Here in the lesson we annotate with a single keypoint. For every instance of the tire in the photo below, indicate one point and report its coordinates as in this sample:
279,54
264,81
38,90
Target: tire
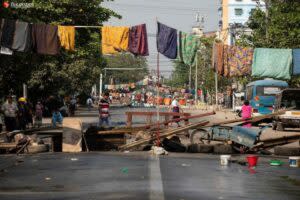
173,146
287,151
274,126
200,148
279,127
38,148
223,149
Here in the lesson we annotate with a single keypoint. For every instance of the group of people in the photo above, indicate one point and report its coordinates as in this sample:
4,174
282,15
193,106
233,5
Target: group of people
19,115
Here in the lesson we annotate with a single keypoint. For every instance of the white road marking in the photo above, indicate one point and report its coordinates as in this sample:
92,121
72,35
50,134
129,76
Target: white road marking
156,186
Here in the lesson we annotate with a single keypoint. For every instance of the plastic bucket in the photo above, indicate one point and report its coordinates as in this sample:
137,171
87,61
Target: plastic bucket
252,160
294,161
225,159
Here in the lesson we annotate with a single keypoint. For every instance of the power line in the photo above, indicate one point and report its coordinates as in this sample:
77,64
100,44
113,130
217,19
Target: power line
162,7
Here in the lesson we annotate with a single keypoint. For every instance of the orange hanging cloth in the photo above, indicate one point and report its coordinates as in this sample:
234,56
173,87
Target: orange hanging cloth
66,36
114,39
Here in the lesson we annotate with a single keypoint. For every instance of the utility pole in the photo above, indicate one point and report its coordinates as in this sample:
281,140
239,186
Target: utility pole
25,94
190,78
267,3
100,85
196,79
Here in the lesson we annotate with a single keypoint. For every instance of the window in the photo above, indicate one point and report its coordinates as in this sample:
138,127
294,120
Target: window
238,11
267,91
249,93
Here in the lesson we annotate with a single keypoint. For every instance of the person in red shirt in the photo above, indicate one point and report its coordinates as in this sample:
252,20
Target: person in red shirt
104,110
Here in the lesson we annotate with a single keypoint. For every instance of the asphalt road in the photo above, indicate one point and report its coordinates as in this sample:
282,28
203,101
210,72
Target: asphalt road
142,176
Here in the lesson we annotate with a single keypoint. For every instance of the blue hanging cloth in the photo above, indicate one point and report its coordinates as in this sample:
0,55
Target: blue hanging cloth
296,61
166,40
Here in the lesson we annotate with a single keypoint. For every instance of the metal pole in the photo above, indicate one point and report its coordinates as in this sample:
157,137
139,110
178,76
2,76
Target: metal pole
196,79
100,84
157,106
216,82
267,18
190,78
25,90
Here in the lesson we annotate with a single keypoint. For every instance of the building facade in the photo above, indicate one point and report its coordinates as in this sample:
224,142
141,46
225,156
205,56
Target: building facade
234,15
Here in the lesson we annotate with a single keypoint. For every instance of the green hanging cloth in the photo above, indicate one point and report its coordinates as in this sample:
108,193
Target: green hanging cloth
188,46
272,63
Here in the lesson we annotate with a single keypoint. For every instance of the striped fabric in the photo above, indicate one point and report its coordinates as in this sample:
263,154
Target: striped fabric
103,108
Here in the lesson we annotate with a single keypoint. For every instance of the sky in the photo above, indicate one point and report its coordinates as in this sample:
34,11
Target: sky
179,14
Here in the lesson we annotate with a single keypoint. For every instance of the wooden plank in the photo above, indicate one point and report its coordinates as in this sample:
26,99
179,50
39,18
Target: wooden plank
163,135
146,113
124,131
176,120
7,145
250,120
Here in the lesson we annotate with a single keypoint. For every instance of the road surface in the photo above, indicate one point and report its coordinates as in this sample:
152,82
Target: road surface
142,176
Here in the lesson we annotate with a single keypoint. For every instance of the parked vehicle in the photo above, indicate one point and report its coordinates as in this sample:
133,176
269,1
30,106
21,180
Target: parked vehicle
288,98
261,95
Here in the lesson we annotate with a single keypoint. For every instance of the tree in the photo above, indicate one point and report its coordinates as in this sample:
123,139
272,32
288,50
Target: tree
126,60
206,76
65,73
280,29
180,75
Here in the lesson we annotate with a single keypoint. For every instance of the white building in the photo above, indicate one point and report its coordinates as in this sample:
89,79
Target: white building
234,15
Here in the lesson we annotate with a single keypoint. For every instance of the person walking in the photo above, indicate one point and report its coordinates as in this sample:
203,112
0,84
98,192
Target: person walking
175,108
38,114
22,113
72,107
104,110
89,103
10,109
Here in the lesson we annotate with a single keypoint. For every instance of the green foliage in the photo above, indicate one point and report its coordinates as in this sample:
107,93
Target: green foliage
206,76
69,72
281,29
126,60
180,75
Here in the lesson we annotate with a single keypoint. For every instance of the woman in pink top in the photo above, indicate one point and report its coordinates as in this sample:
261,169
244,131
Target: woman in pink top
246,112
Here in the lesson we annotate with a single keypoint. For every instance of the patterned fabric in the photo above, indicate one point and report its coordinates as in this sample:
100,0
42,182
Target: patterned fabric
104,108
188,47
226,53
237,61
166,40
114,39
272,63
138,40
218,58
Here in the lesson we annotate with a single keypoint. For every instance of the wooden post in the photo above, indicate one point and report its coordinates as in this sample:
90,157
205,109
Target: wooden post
167,118
129,119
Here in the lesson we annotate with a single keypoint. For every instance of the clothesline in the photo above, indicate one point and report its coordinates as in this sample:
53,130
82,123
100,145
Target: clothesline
231,61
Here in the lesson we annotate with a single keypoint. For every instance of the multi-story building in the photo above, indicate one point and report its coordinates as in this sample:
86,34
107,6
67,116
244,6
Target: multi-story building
234,14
